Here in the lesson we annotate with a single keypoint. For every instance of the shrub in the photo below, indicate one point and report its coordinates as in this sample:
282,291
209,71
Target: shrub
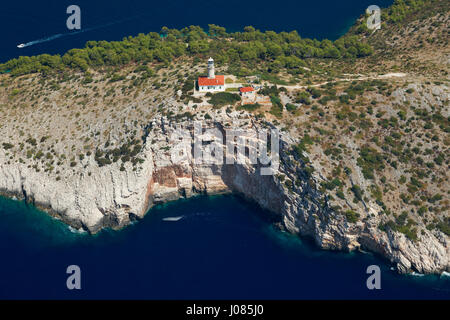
224,98
439,159
303,97
340,194
369,161
249,107
31,141
435,198
351,216
116,77
302,146
357,191
291,107
277,106
444,226
407,230
187,86
316,93
270,91
7,146
330,185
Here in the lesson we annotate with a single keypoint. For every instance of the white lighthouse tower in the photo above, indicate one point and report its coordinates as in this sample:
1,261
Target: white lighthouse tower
211,72
211,82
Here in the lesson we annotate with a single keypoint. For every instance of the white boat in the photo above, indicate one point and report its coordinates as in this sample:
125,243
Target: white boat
22,45
173,219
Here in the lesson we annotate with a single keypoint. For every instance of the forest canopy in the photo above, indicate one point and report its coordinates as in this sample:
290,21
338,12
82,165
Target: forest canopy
278,50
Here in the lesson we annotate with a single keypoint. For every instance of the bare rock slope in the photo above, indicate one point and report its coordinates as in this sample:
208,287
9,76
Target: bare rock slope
113,195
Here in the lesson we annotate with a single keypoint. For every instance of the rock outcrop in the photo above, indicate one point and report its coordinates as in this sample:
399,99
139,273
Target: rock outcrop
94,197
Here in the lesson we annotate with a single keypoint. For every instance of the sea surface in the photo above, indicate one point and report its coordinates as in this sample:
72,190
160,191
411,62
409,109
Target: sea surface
28,21
220,247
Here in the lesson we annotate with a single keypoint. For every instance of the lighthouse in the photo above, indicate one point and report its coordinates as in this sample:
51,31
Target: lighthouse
211,82
211,72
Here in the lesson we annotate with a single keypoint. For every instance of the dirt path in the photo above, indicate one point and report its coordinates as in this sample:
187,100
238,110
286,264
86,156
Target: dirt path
361,78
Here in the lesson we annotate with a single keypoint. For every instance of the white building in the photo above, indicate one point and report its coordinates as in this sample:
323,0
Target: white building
211,83
247,92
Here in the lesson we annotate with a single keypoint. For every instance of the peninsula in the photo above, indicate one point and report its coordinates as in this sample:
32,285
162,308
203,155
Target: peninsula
363,121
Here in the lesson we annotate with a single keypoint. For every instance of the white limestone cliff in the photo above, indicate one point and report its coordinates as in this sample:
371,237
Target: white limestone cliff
92,197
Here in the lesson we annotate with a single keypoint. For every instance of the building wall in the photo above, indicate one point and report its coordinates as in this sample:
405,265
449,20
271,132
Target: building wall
211,88
248,94
211,71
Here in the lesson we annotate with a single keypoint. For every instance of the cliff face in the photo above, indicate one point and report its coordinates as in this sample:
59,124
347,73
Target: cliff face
96,197
107,197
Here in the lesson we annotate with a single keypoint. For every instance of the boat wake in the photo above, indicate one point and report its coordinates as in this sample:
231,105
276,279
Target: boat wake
60,35
173,219
56,36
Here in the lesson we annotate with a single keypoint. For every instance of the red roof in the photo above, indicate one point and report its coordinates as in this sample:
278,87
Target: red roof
205,81
246,89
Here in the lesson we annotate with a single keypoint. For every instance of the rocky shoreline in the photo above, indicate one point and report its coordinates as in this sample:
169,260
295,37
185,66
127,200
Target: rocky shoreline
93,197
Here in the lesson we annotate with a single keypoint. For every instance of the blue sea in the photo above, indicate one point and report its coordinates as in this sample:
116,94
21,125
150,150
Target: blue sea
223,247
26,21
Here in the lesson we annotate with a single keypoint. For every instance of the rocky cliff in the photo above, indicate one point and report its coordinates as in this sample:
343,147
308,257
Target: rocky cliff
364,138
94,197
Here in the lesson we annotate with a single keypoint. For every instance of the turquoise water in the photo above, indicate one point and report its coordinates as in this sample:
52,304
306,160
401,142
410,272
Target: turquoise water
222,248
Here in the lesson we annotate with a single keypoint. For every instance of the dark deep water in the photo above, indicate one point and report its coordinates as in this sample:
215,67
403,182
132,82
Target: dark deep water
223,247
25,21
